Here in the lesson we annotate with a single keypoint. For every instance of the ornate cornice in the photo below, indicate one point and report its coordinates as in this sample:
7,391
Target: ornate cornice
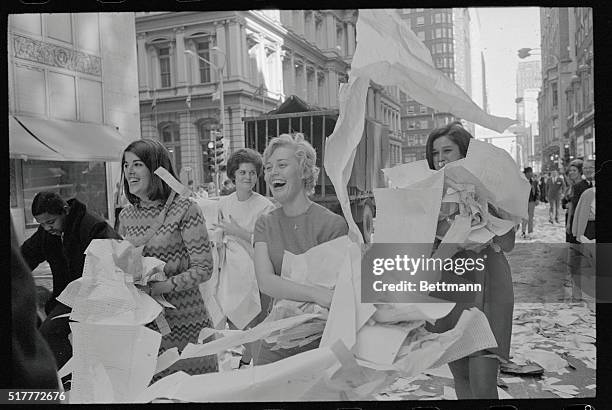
57,56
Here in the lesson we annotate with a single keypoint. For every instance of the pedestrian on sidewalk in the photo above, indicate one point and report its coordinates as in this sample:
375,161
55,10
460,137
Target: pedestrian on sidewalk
579,184
172,229
65,231
534,195
475,376
555,188
543,196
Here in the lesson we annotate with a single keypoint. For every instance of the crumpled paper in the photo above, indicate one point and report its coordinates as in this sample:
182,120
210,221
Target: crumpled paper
106,293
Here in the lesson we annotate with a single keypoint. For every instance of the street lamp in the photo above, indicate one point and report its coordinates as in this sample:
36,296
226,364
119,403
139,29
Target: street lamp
527,52
221,101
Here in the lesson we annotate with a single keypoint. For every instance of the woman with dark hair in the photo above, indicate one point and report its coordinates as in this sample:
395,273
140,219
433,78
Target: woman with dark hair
171,228
238,213
578,184
476,375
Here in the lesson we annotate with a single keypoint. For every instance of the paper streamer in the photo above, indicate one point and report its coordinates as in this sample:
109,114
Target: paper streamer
172,182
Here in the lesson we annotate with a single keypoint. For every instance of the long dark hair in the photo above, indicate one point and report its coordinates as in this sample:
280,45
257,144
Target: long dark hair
154,155
454,132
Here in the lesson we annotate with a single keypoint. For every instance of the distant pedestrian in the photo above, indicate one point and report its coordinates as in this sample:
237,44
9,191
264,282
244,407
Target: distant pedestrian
543,196
534,195
579,184
227,188
555,189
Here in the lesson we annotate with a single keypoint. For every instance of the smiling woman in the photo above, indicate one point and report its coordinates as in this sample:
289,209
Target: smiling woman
170,228
298,225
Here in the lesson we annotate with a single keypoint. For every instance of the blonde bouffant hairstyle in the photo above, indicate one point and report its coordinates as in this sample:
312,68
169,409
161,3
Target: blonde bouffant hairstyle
304,152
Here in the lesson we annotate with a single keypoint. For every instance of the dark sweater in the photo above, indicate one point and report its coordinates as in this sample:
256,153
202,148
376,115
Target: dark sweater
66,257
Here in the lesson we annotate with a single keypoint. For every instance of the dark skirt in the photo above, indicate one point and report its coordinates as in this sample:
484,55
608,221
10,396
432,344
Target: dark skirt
496,300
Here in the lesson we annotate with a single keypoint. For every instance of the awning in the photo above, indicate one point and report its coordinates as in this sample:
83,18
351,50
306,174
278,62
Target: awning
74,141
24,145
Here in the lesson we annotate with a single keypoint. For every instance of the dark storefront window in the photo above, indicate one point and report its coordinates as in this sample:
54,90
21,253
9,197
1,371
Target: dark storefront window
84,180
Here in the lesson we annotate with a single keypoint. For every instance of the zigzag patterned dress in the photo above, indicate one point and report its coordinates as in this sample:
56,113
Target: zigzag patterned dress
181,242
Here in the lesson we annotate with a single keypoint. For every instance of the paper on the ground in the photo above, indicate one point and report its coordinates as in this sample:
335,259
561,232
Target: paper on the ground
341,145
126,353
66,369
172,182
407,215
389,53
285,380
550,361
318,265
503,395
441,371
238,338
404,312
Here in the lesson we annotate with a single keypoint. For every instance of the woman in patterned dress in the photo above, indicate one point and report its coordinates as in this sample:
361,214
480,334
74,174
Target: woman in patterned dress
171,228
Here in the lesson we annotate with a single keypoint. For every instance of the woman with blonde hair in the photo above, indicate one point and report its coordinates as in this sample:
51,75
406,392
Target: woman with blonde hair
299,224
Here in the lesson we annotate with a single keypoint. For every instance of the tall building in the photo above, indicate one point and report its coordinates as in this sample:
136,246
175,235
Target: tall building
73,108
558,67
450,36
581,111
528,82
266,56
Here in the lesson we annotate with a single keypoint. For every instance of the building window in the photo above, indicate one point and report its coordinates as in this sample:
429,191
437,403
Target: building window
423,109
85,181
420,21
437,18
424,124
411,109
438,33
555,95
164,67
171,138
204,52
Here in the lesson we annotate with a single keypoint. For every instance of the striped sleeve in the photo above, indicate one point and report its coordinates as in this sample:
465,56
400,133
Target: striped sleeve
195,238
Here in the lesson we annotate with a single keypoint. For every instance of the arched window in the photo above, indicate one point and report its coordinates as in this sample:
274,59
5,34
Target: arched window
171,138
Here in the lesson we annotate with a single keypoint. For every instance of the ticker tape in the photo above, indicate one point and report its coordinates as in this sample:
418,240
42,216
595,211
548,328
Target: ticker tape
172,182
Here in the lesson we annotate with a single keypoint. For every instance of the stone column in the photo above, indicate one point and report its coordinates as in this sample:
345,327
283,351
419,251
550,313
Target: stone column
350,32
180,57
233,51
154,75
332,87
316,84
298,22
304,82
244,51
287,18
330,23
291,86
143,62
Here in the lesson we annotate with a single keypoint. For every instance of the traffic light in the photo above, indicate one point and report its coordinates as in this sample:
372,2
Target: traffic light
210,158
219,148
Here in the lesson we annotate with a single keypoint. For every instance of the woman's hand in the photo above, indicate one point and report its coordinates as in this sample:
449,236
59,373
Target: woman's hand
157,288
232,227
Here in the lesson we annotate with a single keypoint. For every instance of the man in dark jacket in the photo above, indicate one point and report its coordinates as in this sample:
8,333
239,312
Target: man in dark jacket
65,231
534,196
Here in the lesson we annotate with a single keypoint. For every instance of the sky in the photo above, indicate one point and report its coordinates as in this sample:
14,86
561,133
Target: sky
504,30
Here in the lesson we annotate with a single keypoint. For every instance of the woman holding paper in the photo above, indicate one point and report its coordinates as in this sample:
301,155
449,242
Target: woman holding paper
578,184
476,375
298,225
238,291
172,229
